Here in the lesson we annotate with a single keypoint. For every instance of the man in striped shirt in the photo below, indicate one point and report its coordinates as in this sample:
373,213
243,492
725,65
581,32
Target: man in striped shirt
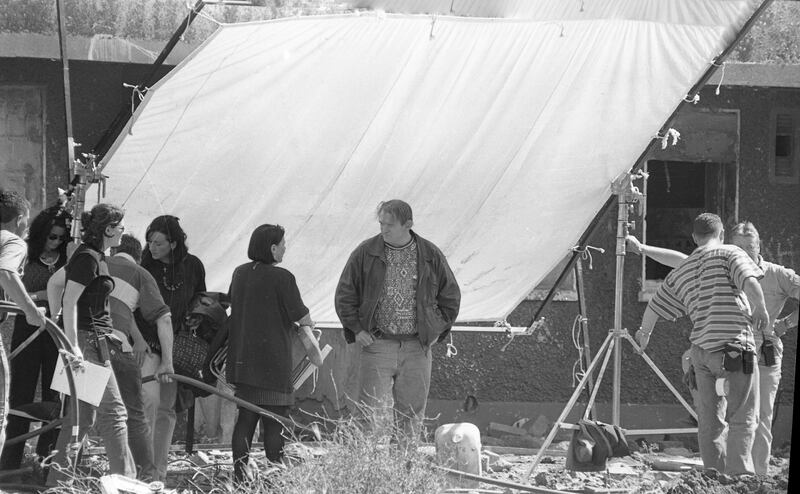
713,286
134,289
779,284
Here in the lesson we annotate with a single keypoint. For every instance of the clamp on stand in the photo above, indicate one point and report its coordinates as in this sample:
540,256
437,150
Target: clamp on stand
83,175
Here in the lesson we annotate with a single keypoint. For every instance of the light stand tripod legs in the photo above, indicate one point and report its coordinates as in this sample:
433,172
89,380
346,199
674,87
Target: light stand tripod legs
573,399
600,375
661,376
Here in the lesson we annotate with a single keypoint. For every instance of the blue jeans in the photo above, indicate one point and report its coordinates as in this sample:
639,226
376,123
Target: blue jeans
768,380
725,426
159,407
129,381
109,417
396,375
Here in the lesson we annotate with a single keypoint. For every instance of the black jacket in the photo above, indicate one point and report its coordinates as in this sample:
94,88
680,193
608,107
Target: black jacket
359,288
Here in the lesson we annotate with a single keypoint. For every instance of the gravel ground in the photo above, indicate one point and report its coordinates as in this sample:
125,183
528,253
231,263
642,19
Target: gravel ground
642,478
632,474
207,469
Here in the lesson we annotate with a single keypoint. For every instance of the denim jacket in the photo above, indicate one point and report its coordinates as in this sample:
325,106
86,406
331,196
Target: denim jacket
361,282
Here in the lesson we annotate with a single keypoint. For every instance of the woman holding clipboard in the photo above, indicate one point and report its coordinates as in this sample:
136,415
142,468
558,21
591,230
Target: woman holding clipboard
87,325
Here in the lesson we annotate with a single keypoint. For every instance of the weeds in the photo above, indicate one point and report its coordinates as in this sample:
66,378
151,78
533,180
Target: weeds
352,457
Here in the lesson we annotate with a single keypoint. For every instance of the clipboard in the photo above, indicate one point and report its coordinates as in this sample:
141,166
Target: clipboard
305,368
90,381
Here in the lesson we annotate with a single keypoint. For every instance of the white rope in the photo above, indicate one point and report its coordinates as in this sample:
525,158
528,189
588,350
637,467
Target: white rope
509,333
451,351
434,18
721,77
694,100
674,134
586,253
578,370
136,92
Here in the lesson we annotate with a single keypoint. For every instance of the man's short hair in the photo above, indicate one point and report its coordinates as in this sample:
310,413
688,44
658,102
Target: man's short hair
707,224
12,204
745,229
400,210
129,245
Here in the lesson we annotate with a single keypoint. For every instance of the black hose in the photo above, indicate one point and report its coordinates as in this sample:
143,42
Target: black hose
41,430
288,424
62,343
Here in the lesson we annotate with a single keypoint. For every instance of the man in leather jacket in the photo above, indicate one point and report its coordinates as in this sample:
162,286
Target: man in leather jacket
396,297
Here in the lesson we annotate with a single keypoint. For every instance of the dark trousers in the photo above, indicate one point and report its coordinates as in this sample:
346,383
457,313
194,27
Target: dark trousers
243,436
37,360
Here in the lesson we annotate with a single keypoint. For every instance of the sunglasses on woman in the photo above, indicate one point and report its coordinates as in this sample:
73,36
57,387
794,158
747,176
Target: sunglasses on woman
53,236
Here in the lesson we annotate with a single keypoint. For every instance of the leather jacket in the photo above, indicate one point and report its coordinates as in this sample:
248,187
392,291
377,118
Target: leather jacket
361,282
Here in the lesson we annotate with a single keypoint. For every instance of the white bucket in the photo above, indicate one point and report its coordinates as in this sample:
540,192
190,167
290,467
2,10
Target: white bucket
458,446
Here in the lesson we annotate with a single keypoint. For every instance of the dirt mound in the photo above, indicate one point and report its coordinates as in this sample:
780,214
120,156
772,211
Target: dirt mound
711,481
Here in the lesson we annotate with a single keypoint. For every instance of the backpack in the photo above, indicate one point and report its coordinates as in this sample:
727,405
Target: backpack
593,443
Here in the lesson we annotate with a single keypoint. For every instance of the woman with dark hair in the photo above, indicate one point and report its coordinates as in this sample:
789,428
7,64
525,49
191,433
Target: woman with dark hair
180,276
48,236
266,309
88,326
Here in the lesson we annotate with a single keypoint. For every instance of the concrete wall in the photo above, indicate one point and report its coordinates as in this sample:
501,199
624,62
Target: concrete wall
97,95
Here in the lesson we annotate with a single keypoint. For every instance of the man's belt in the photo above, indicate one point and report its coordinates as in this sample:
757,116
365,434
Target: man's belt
377,333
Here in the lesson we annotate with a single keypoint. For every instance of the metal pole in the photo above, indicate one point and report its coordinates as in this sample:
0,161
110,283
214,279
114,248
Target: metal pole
114,129
622,229
62,40
607,343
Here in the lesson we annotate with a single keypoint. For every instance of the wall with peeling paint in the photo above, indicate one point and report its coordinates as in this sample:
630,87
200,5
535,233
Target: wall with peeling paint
539,368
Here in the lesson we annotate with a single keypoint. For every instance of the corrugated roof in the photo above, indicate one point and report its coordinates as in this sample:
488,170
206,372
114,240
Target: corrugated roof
102,48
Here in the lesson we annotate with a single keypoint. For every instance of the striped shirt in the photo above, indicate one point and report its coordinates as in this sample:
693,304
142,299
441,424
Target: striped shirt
134,288
13,254
708,287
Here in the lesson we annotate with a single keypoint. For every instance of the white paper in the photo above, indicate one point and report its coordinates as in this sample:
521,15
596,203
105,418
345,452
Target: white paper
90,381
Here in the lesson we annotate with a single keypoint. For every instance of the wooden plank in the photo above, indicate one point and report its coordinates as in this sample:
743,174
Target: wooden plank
605,490
496,430
640,432
509,450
